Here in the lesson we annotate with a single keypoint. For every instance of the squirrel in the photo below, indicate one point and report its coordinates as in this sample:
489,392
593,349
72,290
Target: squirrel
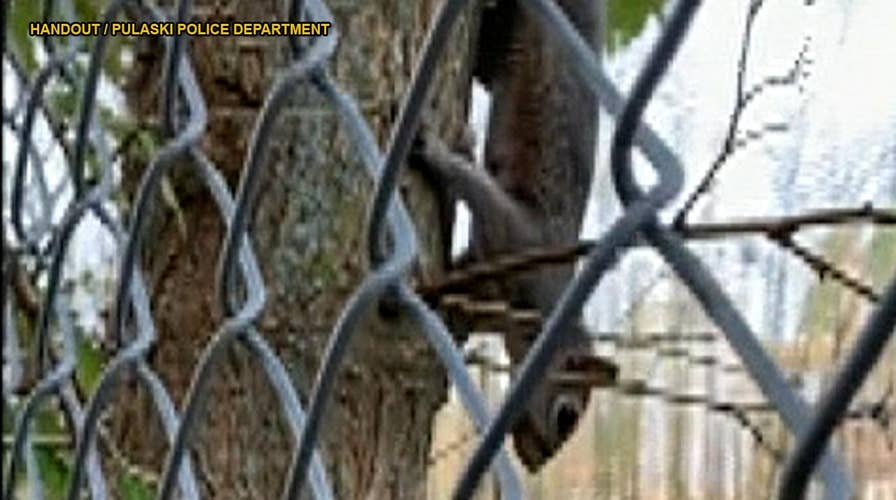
531,191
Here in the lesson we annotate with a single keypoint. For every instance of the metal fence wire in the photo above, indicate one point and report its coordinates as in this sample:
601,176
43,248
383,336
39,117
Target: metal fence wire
241,291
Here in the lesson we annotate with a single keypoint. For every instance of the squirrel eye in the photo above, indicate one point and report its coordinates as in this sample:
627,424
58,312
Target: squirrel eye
566,415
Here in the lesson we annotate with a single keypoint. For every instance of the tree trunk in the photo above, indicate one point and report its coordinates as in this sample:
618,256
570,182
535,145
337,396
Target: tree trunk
309,235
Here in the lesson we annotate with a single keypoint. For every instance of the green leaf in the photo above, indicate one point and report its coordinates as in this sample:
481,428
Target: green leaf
132,487
49,420
54,472
626,20
63,100
119,125
21,13
113,65
147,144
91,360
52,463
88,10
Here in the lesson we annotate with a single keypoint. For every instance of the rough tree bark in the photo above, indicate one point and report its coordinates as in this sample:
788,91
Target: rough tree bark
309,235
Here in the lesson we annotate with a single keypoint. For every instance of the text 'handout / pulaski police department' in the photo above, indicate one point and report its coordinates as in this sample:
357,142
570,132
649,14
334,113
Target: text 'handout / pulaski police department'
233,28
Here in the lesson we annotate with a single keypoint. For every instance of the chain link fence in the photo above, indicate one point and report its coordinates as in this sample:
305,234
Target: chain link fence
241,290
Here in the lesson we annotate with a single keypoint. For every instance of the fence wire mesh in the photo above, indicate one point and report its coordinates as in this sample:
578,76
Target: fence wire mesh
241,290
